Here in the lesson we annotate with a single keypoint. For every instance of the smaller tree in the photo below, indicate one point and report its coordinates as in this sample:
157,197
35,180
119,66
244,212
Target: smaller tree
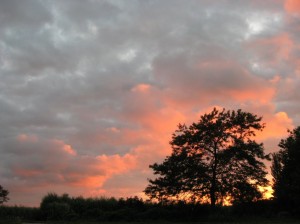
286,170
3,195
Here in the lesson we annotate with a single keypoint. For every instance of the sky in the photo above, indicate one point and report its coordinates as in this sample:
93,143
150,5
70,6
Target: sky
91,91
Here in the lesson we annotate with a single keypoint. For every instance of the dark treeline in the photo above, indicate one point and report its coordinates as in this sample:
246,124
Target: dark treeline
65,208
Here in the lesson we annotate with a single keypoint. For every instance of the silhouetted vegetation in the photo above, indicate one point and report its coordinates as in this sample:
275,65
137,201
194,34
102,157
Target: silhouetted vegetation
54,207
286,173
65,208
3,195
215,158
18,213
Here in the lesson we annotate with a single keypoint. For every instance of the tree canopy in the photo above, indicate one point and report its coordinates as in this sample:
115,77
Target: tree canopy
286,170
3,195
213,160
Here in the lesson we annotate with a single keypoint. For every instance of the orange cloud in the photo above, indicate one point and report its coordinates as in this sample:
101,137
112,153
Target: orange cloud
276,126
116,164
88,182
68,149
263,96
142,88
284,44
53,161
100,170
65,147
27,172
200,82
27,138
292,6
113,130
274,49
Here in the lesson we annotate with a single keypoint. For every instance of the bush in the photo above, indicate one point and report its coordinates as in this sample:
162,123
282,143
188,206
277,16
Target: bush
57,211
19,212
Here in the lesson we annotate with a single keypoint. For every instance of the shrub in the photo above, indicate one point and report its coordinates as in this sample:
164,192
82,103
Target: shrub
57,211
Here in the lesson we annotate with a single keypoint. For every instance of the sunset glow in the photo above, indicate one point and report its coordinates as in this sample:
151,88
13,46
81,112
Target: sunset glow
91,91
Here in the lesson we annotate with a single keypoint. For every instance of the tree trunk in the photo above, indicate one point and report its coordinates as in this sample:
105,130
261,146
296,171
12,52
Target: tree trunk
213,190
214,177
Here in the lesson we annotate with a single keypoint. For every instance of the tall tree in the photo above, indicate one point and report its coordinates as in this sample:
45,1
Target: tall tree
215,159
286,170
3,195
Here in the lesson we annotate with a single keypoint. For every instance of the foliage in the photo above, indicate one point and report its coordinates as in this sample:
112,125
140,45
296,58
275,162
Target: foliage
3,195
215,158
62,207
55,207
19,212
286,171
62,210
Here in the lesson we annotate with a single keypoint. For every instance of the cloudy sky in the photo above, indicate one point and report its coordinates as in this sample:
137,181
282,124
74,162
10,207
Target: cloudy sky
91,91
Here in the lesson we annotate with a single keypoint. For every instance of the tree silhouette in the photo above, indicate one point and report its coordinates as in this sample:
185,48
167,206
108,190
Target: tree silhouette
213,160
3,195
286,170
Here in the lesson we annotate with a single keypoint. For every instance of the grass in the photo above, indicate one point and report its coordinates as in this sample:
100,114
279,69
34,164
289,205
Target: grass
280,222
200,222
163,222
271,221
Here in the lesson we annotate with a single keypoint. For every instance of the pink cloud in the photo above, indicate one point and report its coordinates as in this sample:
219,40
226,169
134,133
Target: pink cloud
276,125
65,147
272,54
116,164
54,164
27,173
189,83
141,88
113,130
27,138
292,6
